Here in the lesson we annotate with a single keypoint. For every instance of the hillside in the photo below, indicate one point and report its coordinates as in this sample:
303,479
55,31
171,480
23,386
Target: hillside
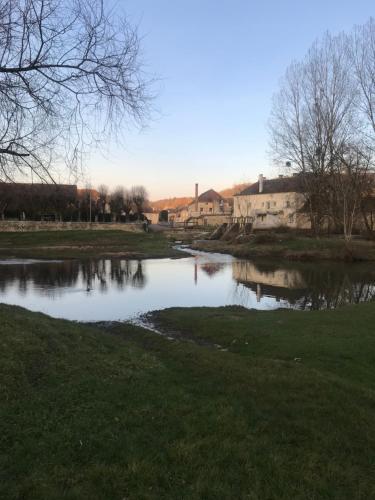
170,203
182,201
236,188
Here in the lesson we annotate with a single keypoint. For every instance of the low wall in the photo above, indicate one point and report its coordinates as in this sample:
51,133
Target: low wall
25,226
213,220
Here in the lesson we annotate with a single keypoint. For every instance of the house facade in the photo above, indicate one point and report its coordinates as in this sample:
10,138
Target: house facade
209,208
271,203
178,215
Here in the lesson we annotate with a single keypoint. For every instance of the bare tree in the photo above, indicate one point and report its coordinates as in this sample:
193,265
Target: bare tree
128,203
362,47
70,74
103,200
351,183
103,191
314,119
139,197
117,200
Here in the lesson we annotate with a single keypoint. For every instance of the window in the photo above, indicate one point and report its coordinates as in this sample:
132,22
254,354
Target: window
287,204
201,209
268,204
210,209
291,218
274,203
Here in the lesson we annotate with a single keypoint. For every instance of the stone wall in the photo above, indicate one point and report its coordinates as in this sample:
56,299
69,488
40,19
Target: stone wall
24,226
211,220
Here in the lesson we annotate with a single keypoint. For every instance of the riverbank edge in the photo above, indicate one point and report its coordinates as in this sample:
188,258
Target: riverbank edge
336,250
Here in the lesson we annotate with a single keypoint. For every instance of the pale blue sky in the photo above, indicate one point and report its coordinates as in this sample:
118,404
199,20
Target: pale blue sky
219,63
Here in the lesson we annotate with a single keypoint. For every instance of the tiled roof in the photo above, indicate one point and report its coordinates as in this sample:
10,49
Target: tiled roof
279,185
210,196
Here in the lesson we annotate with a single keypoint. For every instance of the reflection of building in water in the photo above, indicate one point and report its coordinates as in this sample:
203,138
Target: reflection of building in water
209,268
282,284
212,268
244,271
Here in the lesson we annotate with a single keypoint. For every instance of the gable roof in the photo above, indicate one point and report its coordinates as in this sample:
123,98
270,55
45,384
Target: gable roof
279,185
209,196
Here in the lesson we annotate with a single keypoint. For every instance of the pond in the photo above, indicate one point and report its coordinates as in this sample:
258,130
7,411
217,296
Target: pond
118,289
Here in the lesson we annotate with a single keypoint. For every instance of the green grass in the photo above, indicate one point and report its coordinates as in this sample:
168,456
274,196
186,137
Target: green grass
76,244
117,413
295,248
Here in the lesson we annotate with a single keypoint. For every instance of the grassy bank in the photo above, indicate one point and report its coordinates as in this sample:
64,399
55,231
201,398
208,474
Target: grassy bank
78,244
290,247
284,409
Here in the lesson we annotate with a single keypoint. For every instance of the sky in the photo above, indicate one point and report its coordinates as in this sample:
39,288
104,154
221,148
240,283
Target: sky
218,64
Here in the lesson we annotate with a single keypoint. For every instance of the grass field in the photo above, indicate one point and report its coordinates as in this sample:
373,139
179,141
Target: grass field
283,409
76,244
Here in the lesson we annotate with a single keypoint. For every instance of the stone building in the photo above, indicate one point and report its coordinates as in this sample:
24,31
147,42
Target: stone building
209,208
271,203
178,215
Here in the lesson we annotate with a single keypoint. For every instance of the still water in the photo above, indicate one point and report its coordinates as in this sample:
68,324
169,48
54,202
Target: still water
118,289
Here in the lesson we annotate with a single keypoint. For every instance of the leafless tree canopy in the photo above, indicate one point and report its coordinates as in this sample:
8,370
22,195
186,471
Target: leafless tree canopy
117,200
70,74
103,192
321,125
139,197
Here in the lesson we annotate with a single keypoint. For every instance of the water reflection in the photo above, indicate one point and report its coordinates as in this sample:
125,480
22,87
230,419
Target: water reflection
46,278
108,289
209,268
308,286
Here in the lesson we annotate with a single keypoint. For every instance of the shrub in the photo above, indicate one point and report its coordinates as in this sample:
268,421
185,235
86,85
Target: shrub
264,238
282,229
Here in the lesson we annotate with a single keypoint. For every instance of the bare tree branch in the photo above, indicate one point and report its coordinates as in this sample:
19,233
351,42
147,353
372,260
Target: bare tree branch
70,75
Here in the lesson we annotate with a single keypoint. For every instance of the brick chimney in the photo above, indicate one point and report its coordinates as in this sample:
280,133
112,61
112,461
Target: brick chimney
261,180
196,197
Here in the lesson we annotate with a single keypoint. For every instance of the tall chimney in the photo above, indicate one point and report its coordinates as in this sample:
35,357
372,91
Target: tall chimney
196,197
261,179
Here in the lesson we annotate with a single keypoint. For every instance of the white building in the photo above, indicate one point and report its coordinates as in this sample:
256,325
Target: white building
271,203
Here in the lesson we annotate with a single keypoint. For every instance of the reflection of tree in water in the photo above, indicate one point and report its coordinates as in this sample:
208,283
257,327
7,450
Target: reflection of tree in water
138,280
318,286
335,286
212,268
43,277
48,278
121,272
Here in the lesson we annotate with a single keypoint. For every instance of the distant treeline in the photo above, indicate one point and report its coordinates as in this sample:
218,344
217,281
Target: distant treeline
68,203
